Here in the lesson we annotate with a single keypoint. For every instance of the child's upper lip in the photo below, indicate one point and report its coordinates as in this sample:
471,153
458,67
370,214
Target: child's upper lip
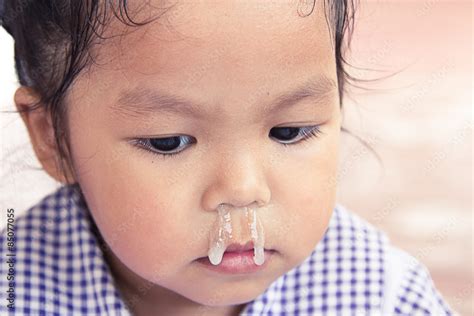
235,247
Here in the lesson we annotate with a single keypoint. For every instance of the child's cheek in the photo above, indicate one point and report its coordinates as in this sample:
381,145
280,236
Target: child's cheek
310,196
137,215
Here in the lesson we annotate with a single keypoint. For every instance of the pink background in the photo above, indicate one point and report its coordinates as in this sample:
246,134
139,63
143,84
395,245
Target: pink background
420,123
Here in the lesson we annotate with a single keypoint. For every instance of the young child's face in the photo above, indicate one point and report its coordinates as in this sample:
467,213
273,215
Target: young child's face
231,59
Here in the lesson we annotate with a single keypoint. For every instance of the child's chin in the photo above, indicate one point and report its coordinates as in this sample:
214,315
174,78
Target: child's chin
238,298
227,295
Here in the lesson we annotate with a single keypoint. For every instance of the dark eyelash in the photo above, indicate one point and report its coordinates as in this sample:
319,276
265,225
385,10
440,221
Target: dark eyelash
313,131
308,133
143,143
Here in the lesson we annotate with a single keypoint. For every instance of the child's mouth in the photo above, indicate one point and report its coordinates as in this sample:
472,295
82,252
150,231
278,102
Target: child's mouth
237,262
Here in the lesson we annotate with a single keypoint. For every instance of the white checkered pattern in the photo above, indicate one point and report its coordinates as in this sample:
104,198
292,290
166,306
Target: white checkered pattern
60,270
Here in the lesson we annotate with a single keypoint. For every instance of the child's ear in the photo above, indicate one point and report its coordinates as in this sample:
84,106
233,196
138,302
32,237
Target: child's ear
41,132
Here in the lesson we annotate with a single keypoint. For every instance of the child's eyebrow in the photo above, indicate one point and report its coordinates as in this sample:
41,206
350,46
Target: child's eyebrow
144,101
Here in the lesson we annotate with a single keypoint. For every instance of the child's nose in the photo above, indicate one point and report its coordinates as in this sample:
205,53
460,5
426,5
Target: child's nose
238,181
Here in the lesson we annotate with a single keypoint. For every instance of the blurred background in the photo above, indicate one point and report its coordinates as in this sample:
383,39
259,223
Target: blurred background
418,120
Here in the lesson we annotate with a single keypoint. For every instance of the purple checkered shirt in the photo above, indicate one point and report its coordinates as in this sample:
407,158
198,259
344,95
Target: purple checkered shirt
59,269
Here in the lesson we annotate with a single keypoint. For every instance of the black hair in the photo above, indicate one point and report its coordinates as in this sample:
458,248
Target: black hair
53,40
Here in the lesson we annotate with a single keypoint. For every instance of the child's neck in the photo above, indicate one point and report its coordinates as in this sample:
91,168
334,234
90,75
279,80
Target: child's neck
144,298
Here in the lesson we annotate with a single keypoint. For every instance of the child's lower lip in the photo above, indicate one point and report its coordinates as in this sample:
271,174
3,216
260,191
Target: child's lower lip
236,262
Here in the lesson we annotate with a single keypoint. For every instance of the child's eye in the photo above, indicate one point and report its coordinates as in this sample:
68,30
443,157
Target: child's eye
170,146
290,133
167,146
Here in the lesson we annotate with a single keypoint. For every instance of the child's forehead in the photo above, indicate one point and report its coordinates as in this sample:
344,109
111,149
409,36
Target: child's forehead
241,30
228,49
